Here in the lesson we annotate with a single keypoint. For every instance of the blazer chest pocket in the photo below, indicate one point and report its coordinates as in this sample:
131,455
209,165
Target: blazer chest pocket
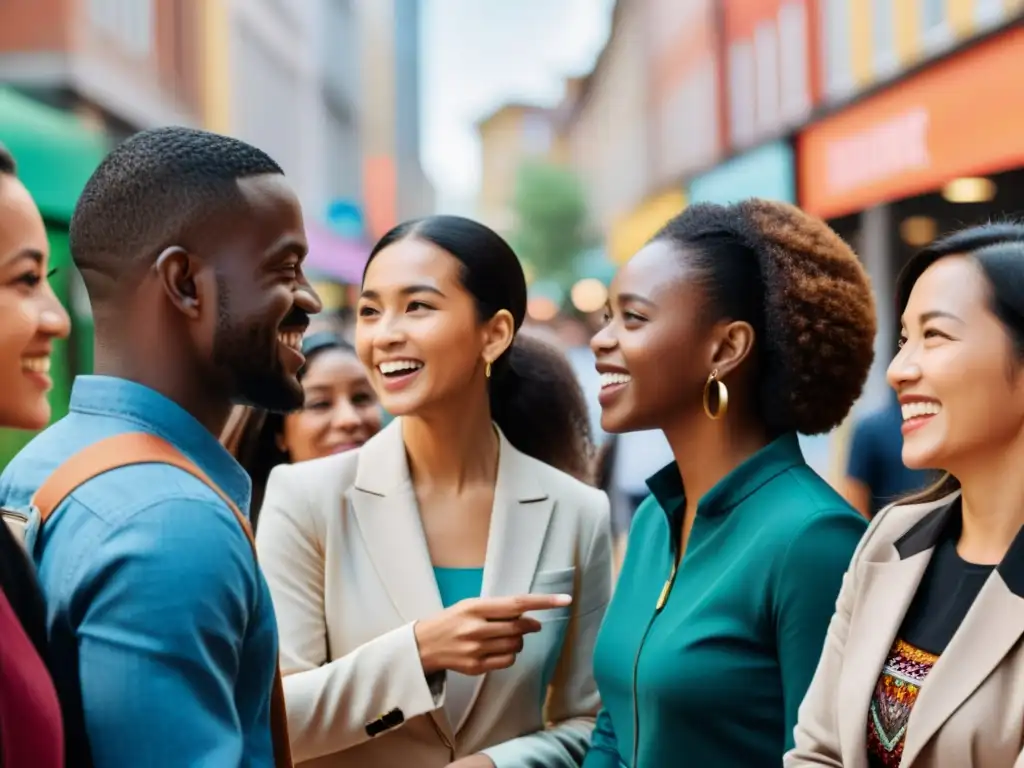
557,582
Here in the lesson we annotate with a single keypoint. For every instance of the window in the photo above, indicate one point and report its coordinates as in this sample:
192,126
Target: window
989,13
836,34
933,14
536,135
883,28
794,80
129,22
935,31
742,109
766,56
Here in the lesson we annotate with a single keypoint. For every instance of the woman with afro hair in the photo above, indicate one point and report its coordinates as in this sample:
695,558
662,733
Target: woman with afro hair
733,330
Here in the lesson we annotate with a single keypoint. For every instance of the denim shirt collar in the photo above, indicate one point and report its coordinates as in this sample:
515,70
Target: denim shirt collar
150,411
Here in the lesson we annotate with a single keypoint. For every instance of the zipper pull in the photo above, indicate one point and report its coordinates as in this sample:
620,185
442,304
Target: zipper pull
663,598
665,590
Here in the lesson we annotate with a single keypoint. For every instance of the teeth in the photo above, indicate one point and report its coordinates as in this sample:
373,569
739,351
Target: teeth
915,410
394,366
611,379
36,364
291,339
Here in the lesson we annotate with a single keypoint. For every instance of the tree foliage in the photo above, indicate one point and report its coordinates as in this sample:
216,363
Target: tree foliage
550,220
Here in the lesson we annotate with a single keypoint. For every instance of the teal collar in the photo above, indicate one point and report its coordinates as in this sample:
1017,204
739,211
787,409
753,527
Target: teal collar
771,461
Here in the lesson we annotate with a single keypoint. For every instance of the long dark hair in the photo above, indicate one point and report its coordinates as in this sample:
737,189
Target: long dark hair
998,250
534,395
253,433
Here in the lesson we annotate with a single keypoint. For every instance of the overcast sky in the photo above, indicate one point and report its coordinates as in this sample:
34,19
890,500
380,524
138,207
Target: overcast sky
478,54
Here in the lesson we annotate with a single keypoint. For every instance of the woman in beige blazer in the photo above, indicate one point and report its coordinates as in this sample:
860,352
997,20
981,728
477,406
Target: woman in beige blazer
438,591
923,666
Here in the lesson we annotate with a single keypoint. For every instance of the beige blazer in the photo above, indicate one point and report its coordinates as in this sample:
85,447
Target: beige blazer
970,711
342,546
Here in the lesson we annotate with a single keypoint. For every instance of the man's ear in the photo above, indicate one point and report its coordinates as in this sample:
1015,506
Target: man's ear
178,271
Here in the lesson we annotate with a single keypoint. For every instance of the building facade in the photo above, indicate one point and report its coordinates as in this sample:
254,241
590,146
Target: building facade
511,135
394,184
853,109
121,64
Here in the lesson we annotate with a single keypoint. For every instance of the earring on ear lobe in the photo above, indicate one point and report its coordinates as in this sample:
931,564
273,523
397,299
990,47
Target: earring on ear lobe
487,370
721,393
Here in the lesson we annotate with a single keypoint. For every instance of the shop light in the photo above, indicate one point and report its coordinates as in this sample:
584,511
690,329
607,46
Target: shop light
918,231
542,309
969,189
589,295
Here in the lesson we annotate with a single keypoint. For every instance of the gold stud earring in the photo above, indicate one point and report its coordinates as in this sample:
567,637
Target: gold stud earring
721,393
487,369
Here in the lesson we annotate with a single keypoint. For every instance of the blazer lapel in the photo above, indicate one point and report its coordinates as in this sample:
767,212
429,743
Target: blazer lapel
887,584
992,628
387,514
519,524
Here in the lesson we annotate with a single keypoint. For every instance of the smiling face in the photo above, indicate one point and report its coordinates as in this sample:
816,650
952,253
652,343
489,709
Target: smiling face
956,373
340,411
30,315
652,351
418,332
264,299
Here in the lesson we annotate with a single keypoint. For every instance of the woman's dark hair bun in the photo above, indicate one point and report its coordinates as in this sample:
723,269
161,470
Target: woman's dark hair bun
537,401
805,293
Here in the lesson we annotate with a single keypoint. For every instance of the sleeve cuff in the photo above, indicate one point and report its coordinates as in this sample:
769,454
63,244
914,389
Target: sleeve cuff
505,755
437,683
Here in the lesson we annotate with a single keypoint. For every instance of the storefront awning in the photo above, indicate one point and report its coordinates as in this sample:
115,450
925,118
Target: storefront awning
767,172
55,152
334,258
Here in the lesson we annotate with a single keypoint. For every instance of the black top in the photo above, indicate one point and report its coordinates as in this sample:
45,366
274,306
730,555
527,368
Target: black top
947,591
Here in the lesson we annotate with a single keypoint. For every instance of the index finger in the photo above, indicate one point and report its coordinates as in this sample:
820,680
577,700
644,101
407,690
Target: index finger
515,606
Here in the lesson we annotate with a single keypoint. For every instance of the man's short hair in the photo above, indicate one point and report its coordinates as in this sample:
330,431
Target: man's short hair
153,191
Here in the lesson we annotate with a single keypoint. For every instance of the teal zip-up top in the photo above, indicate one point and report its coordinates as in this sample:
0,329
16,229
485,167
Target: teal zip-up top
705,665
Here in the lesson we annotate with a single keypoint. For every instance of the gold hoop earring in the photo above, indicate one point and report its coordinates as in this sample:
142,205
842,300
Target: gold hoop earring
722,394
487,370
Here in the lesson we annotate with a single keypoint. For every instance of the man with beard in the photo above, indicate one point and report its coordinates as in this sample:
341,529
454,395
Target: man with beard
163,637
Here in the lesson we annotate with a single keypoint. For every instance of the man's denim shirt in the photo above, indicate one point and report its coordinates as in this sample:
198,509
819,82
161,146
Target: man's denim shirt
163,635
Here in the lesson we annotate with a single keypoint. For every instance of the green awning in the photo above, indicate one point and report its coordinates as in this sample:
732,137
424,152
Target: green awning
55,152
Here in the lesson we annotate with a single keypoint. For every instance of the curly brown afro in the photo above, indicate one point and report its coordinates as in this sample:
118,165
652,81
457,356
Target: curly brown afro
804,292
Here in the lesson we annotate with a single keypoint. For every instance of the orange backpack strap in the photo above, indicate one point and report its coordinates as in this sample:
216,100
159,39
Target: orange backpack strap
133,448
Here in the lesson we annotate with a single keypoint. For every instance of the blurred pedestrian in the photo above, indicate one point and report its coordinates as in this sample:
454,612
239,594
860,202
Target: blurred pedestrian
732,330
339,414
433,585
875,474
190,245
922,664
31,319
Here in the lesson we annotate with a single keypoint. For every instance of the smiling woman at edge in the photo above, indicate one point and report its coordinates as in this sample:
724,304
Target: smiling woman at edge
401,572
733,329
923,661
31,318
